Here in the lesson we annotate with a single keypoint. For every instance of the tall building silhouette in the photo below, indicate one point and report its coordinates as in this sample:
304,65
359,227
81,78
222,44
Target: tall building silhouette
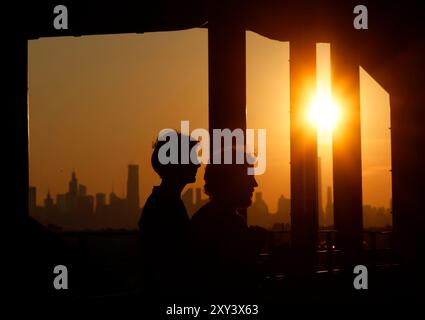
82,190
283,214
100,202
73,184
72,194
48,202
133,186
258,213
329,208
61,202
321,213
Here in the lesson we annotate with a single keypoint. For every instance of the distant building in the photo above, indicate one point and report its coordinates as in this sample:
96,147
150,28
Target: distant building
82,190
49,210
321,212
329,212
376,217
48,202
37,212
73,185
100,202
61,202
77,210
283,214
258,213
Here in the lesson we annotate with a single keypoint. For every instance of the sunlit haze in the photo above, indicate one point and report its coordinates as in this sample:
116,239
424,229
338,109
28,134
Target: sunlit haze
323,112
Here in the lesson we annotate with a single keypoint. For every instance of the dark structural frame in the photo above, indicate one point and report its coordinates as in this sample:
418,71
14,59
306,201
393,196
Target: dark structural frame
391,50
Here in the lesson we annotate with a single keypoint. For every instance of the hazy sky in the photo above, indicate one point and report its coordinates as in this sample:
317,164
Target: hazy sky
97,103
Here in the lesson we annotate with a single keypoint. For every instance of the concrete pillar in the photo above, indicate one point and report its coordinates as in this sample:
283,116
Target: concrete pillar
347,168
226,75
304,195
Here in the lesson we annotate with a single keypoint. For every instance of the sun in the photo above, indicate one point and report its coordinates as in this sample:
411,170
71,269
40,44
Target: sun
323,112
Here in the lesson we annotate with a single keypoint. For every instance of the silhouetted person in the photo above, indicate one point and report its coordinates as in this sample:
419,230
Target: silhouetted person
164,225
224,246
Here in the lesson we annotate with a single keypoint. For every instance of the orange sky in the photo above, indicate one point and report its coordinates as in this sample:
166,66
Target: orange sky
97,104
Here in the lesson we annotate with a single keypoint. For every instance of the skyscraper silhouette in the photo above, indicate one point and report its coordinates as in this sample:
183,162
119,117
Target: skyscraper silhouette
329,208
100,202
82,190
48,202
319,193
73,184
72,194
258,213
133,186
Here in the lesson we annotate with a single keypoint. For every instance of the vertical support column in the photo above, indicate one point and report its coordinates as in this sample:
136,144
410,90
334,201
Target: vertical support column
347,167
16,109
304,193
407,130
226,75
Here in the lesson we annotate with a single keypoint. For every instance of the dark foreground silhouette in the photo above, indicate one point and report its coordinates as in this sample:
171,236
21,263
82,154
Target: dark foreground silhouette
164,228
213,254
225,249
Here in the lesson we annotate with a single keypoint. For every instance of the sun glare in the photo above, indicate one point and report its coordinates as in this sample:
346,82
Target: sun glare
323,112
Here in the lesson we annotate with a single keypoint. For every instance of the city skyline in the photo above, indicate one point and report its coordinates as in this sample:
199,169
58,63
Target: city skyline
77,209
337,215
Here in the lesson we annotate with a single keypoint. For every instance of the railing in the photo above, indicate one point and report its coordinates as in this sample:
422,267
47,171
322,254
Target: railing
377,248
111,262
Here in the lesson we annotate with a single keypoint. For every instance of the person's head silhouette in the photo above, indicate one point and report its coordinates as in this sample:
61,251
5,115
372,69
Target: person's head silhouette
230,185
175,173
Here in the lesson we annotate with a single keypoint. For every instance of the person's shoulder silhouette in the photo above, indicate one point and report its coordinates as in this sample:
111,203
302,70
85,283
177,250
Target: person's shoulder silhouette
164,217
220,229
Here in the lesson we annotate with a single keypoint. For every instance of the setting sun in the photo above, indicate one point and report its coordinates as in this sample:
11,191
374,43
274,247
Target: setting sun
323,112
